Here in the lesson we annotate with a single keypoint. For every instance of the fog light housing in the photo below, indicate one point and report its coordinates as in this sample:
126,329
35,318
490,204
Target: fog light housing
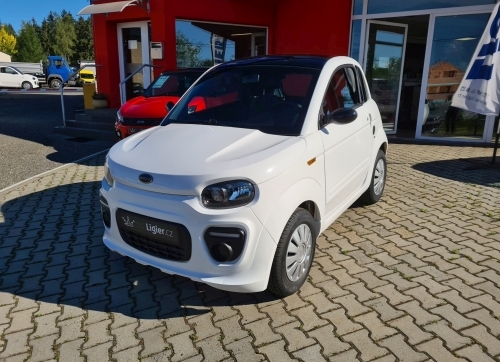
225,244
105,212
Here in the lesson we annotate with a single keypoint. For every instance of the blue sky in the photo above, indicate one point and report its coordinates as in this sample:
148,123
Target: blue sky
15,12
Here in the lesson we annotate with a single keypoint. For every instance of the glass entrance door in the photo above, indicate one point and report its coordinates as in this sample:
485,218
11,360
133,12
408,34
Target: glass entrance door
133,49
385,49
258,44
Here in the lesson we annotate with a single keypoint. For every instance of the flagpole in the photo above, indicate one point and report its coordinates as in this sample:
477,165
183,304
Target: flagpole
496,139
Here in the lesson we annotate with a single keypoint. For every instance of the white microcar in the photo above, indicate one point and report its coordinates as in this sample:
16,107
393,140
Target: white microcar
257,158
11,77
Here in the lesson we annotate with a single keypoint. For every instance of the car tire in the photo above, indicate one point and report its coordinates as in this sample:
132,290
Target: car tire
55,83
296,248
27,85
377,184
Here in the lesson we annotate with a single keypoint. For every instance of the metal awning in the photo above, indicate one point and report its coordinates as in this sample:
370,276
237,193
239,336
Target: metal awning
113,7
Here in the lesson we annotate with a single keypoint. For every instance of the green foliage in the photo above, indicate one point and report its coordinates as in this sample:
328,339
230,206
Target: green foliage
188,53
64,36
7,42
8,28
84,44
29,48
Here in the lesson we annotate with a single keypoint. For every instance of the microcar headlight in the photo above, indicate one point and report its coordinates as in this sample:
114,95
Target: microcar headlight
107,174
119,117
228,194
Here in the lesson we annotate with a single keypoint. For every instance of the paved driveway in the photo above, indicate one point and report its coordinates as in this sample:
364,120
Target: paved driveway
415,277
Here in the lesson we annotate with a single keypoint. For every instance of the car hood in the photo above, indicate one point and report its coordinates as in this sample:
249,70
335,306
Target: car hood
151,107
183,159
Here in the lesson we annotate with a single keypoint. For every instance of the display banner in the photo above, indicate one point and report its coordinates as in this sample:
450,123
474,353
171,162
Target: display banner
478,92
218,48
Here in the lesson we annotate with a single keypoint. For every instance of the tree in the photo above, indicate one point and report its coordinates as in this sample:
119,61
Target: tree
84,44
64,37
187,51
7,42
44,36
28,45
8,28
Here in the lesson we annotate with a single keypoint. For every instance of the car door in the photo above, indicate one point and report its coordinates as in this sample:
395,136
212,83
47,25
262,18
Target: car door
345,144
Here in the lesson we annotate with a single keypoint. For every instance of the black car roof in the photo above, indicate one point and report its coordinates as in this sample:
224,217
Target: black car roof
186,70
308,61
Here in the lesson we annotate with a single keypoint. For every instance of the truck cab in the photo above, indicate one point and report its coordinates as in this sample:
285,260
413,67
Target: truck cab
58,71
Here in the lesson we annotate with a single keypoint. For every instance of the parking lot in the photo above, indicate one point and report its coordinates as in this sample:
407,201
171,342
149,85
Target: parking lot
27,140
415,277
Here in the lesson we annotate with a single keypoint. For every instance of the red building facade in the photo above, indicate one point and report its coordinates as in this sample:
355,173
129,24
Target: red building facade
291,27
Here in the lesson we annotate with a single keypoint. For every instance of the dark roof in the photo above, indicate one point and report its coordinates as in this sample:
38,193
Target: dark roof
186,70
307,61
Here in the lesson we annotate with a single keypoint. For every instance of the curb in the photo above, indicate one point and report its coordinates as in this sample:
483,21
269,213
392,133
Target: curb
8,188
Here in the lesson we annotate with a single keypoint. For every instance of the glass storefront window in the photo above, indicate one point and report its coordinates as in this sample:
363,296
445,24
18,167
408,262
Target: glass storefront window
357,8
355,39
454,42
392,6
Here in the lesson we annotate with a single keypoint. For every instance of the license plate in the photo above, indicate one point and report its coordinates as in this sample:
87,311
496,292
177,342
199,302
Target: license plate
133,130
159,230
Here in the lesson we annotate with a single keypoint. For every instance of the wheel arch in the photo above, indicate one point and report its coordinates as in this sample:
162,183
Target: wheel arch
306,194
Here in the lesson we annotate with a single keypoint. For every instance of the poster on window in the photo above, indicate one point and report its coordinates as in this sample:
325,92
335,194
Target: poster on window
478,92
218,48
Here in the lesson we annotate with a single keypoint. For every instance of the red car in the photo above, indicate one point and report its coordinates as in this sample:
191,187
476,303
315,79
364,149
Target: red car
148,110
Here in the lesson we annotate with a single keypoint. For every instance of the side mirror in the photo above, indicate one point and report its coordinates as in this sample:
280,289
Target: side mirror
169,105
343,116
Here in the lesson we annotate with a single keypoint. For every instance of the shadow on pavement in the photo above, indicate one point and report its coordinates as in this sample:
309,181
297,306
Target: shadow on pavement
477,171
52,251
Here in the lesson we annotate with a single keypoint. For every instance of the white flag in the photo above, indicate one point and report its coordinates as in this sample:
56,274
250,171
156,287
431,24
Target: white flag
478,92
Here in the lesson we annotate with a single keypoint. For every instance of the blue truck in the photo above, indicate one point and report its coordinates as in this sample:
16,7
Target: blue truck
57,71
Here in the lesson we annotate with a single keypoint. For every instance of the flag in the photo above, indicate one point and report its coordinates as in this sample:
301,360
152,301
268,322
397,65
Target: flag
218,48
479,90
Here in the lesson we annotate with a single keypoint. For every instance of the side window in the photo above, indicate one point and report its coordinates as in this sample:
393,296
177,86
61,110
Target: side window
342,92
362,85
2,70
10,71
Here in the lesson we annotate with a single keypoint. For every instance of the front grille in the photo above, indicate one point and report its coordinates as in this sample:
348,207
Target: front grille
141,121
154,245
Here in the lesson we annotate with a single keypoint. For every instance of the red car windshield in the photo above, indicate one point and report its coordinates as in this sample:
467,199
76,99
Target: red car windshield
172,84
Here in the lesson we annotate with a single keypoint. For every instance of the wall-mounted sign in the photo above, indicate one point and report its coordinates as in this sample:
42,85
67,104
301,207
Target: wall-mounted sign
132,44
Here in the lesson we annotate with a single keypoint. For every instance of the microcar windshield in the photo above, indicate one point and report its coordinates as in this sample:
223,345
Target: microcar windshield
271,98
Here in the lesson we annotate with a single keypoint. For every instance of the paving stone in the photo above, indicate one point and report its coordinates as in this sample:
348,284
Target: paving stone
183,346
429,283
212,349
474,353
70,330
243,350
42,348
176,325
153,341
20,321
484,317
125,337
436,350
293,302
203,326
458,322
378,269
278,314
310,354
16,343
390,292
97,333
481,335
487,301
462,305
426,299
275,352
377,329
467,277
321,303
348,356
386,311
365,345
70,351
127,355
262,332
452,339
398,346
352,267
462,288
414,334
400,282
331,344
421,316
295,338
350,303
361,292
332,289
231,329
